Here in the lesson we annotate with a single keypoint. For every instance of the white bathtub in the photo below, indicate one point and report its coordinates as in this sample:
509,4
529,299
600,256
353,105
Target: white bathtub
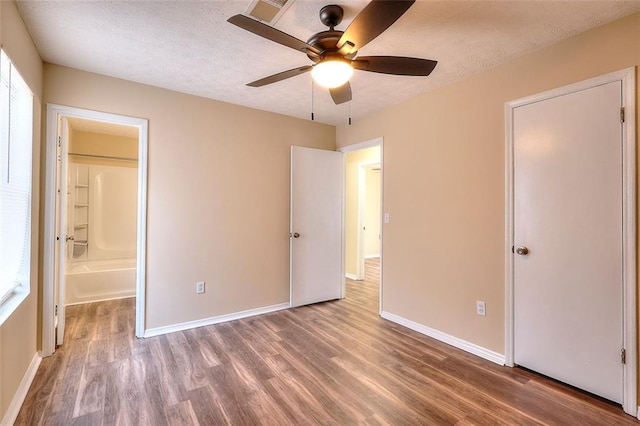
96,280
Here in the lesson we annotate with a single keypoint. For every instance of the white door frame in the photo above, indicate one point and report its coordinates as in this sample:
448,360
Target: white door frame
356,147
48,301
629,280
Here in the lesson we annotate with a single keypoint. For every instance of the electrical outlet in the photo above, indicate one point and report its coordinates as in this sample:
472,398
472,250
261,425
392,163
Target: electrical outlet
200,287
387,218
481,308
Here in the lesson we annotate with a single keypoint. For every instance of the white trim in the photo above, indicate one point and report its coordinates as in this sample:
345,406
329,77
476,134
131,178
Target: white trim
62,219
352,276
53,112
361,200
629,218
151,332
141,238
629,256
508,233
381,263
343,228
372,256
291,224
472,348
21,393
49,238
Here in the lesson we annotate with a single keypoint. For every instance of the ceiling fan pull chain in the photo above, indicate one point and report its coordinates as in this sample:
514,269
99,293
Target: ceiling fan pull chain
312,117
350,113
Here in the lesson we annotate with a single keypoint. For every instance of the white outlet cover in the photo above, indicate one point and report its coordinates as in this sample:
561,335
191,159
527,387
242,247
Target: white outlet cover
200,287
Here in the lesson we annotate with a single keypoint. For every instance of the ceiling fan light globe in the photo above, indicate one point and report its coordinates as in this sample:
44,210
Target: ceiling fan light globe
331,74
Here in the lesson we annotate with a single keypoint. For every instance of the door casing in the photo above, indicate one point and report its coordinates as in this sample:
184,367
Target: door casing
54,112
356,147
627,77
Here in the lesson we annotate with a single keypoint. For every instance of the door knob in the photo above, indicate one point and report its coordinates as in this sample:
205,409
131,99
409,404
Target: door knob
522,251
296,235
69,238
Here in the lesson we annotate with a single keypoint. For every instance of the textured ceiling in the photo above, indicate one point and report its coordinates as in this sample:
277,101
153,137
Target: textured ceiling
189,47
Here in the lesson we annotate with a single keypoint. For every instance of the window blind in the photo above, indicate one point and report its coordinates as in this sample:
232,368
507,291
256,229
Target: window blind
16,141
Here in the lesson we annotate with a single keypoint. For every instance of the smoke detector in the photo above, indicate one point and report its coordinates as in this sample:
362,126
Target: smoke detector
268,11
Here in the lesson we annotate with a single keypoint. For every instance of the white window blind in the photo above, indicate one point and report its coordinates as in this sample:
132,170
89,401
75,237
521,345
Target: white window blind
16,140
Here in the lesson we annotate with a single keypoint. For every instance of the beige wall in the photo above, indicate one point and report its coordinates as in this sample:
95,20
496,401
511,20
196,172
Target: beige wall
18,334
444,181
218,193
353,160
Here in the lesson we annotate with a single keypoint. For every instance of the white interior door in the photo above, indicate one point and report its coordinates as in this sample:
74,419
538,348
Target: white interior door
316,225
568,291
64,233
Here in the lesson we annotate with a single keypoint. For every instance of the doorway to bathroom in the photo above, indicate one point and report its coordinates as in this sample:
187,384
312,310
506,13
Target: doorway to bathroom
95,214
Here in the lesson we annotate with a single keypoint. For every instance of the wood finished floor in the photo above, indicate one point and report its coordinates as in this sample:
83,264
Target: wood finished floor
334,363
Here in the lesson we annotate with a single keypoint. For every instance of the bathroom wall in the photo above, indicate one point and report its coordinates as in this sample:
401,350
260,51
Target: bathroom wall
92,143
102,211
102,188
102,195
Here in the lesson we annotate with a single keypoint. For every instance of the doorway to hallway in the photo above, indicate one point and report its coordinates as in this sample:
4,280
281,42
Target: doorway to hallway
363,214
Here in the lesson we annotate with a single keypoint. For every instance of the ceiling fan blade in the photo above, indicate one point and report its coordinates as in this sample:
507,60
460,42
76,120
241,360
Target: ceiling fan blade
374,19
272,34
341,94
280,76
396,65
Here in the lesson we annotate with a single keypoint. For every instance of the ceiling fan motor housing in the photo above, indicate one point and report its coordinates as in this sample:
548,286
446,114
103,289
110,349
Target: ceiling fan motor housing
331,15
327,41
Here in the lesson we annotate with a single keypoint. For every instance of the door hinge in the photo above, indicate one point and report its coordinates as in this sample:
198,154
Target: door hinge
56,311
622,114
623,355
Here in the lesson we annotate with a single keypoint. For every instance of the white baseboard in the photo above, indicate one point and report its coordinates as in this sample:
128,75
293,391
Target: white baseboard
446,338
351,276
213,320
21,393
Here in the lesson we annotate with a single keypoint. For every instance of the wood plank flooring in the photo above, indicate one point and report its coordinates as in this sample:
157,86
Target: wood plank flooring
333,363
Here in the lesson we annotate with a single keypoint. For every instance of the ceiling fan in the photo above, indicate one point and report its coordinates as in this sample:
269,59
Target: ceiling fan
334,53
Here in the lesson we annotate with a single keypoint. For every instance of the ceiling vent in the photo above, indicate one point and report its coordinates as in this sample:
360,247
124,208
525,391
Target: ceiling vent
268,11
